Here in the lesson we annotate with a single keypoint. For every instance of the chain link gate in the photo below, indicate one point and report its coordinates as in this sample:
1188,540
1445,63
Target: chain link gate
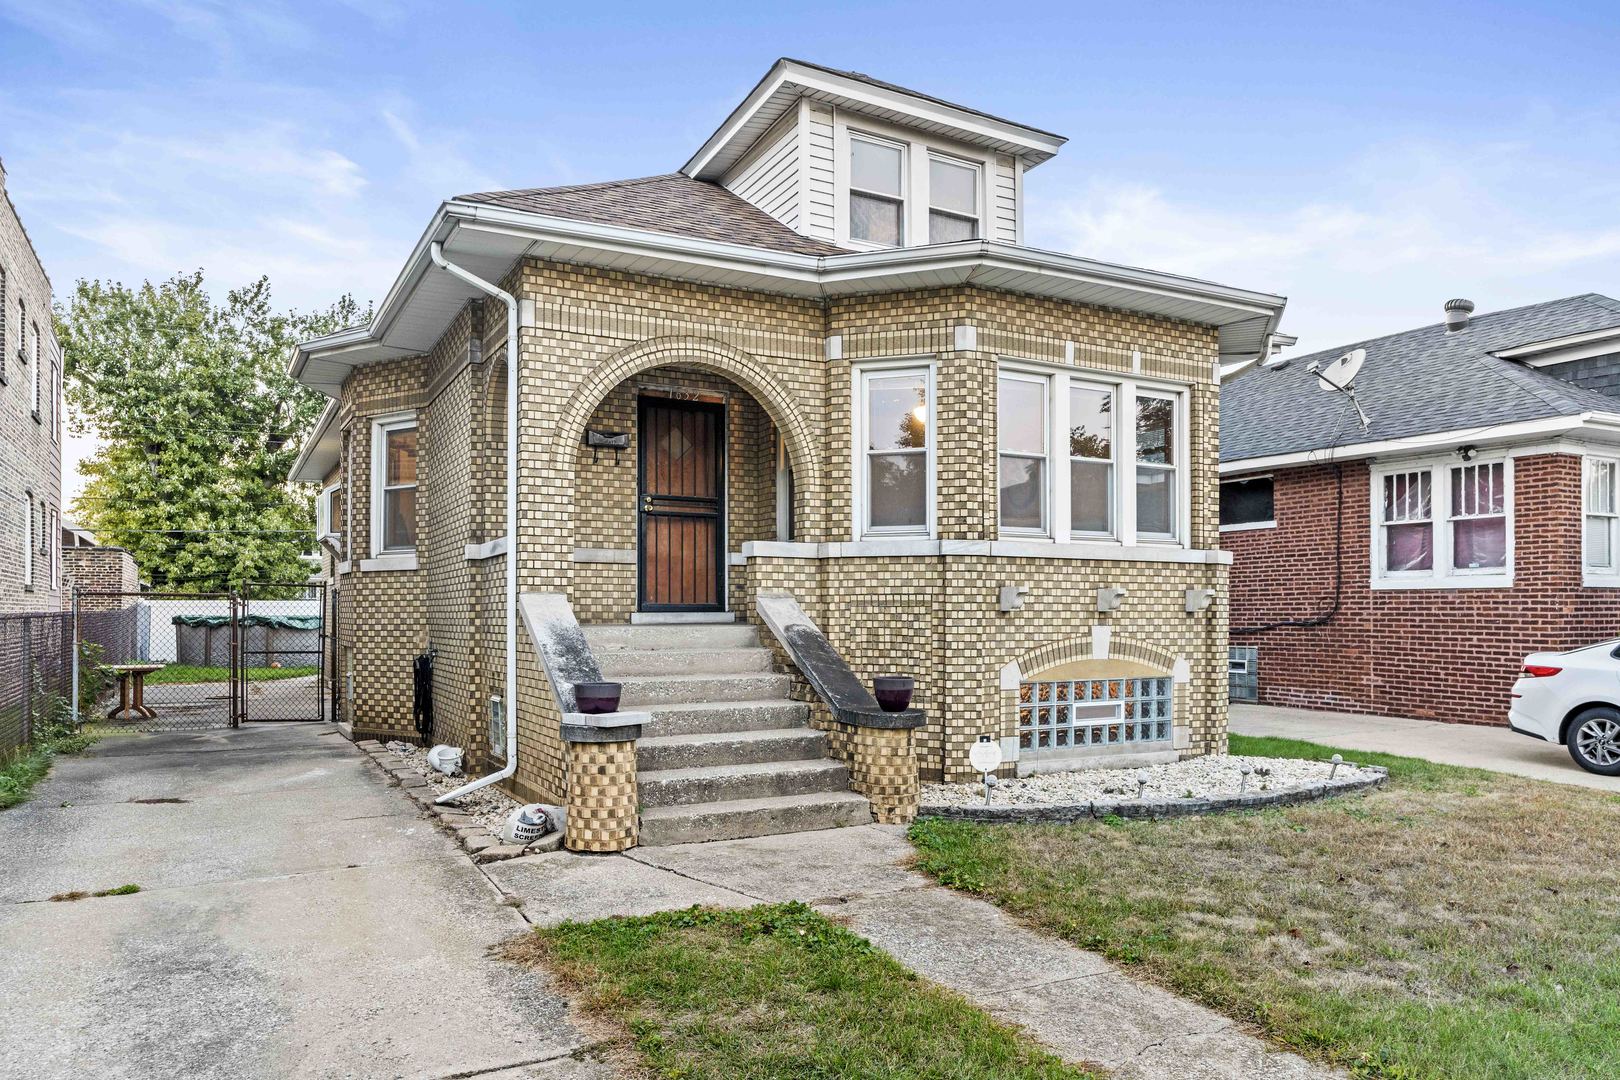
283,650
175,661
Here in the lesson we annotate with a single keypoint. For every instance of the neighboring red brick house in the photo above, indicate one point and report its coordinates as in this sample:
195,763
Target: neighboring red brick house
1407,569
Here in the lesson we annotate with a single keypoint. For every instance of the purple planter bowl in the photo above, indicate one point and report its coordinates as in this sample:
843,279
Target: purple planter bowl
893,692
597,697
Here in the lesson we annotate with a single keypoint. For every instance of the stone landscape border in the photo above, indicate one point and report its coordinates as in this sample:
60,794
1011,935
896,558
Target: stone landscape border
475,838
1061,813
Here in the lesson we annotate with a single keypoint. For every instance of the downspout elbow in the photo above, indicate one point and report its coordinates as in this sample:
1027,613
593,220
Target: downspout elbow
436,252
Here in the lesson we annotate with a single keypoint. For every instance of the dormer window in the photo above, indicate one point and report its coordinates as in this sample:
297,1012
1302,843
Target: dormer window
953,200
877,205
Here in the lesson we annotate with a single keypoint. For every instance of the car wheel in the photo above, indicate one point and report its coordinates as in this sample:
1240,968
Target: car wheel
1594,741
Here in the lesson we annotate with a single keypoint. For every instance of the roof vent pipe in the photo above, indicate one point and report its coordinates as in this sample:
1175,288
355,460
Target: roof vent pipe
1457,312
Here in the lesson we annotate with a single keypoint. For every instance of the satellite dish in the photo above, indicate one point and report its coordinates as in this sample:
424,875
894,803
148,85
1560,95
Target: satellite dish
1340,377
1341,374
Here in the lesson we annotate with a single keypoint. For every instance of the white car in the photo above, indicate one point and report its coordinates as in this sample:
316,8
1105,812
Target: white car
1573,699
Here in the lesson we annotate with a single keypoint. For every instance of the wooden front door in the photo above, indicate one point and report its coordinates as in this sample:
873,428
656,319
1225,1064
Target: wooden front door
681,541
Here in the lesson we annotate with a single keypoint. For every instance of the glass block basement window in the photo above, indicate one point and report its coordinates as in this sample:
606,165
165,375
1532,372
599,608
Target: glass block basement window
1093,712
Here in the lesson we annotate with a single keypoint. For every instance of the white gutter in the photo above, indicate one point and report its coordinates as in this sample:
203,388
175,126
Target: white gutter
1606,425
511,696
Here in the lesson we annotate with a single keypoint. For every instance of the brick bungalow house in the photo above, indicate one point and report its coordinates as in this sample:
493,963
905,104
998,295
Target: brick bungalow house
1407,569
815,361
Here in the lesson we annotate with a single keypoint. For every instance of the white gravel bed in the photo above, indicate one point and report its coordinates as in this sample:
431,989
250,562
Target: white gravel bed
488,805
1192,778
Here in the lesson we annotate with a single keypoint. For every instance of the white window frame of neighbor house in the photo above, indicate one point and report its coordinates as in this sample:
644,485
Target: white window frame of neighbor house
1246,526
325,527
863,376
918,151
1127,391
1600,507
384,558
28,541
1441,573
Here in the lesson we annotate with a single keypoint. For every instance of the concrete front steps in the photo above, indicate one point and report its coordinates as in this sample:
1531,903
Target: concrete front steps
727,754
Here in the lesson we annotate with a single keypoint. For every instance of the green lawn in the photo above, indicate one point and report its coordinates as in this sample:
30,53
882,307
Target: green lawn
772,992
187,673
1453,924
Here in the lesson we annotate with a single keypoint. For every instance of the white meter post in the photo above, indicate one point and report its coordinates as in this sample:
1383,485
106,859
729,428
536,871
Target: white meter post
985,757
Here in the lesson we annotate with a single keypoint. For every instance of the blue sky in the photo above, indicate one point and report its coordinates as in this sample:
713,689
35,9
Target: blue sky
1367,160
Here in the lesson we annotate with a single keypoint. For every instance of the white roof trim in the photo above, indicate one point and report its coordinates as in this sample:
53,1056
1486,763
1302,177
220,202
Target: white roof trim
320,450
1603,427
498,237
789,80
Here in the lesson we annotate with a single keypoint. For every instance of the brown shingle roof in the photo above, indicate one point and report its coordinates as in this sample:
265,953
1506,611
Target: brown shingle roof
673,203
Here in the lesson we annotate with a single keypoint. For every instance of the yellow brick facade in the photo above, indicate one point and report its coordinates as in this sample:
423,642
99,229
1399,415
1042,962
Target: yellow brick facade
596,339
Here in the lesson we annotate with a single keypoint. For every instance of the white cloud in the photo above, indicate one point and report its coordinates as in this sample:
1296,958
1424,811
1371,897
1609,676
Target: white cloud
1376,248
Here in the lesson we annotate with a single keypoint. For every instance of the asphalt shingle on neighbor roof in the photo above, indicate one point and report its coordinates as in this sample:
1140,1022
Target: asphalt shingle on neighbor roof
1416,383
673,203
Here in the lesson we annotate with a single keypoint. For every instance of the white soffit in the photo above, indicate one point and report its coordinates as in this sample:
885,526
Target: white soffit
490,240
788,80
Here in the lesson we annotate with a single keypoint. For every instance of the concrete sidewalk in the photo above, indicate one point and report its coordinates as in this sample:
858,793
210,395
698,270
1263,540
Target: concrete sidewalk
1075,1002
297,918
1497,749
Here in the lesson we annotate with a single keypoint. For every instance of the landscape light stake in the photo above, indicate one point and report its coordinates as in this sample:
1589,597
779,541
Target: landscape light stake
1337,760
1243,786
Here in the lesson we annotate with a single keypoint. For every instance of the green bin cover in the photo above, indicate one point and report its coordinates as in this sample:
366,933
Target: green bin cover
282,622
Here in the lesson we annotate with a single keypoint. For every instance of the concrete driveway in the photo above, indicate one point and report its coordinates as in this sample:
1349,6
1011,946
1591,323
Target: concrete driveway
1492,748
297,918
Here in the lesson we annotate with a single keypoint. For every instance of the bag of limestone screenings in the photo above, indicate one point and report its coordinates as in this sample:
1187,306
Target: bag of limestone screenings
529,823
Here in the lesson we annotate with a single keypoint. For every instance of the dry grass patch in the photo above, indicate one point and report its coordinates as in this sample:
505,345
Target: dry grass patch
1455,923
776,992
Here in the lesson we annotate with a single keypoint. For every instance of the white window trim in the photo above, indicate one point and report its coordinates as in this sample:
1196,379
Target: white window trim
918,146
380,427
860,376
1124,460
1049,436
28,542
1250,526
1600,578
903,198
324,526
1442,575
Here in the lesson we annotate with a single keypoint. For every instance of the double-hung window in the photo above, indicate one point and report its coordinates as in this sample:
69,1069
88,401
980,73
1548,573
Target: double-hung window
1156,484
28,541
1602,514
1091,459
1092,489
896,448
877,184
953,200
393,486
1021,423
1443,525
33,374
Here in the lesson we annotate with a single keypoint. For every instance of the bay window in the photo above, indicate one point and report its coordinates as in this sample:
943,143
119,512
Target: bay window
953,200
877,205
1022,427
1089,492
1602,514
1091,459
1155,465
895,449
393,485
1443,525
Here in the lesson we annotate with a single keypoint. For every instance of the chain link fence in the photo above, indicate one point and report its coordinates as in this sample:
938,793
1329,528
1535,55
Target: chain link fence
36,674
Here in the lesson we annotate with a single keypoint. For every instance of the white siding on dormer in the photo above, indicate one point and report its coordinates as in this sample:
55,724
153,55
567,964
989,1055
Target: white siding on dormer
819,218
769,175
1003,224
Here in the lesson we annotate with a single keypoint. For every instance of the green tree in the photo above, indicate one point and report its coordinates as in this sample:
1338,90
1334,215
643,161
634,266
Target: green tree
198,425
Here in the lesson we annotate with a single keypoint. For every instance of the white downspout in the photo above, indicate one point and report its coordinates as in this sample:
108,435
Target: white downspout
511,696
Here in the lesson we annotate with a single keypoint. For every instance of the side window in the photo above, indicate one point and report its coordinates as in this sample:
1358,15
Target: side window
877,179
895,448
1247,503
393,486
